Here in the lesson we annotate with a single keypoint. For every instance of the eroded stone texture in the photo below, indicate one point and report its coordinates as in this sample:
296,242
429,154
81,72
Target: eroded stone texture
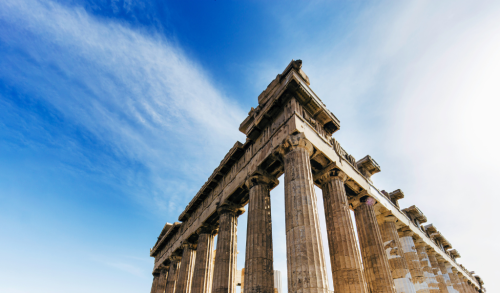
472,289
173,273
225,258
377,270
422,280
344,254
446,276
259,273
156,277
467,284
443,288
161,281
418,262
305,257
394,252
203,266
186,269
455,280
460,281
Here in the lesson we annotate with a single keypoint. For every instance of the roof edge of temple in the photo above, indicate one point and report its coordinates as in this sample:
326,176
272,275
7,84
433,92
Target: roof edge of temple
292,80
229,159
162,239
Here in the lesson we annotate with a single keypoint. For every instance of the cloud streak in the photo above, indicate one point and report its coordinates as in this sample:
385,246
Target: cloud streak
134,91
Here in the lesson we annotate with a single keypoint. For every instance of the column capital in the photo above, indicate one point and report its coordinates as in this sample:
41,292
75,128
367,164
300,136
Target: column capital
163,269
386,217
186,244
364,199
261,179
405,232
419,242
440,259
230,208
331,174
296,141
431,251
175,258
207,229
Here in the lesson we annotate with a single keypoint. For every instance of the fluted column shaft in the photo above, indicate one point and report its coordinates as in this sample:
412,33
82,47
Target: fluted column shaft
186,269
345,260
394,252
156,277
412,259
173,273
463,282
446,276
472,289
443,288
225,258
455,281
161,282
203,267
377,270
259,273
305,257
418,262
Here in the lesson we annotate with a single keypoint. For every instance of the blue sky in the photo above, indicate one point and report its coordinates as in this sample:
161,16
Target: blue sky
114,113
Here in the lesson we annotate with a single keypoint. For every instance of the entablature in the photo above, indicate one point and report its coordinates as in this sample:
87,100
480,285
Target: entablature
164,239
444,242
415,214
396,195
234,154
368,166
454,253
292,82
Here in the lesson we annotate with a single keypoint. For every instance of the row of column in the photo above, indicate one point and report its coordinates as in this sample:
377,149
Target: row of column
391,261
193,272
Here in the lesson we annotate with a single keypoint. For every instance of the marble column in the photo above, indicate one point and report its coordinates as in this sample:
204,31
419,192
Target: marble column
345,259
259,273
446,275
462,280
305,257
455,280
203,266
225,258
186,269
173,272
394,252
418,262
156,277
472,289
377,270
162,281
422,280
431,254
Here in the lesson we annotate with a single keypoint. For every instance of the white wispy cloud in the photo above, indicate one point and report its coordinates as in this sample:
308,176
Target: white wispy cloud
130,264
132,89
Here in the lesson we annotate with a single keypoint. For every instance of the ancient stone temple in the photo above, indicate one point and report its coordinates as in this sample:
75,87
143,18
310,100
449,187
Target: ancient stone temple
290,132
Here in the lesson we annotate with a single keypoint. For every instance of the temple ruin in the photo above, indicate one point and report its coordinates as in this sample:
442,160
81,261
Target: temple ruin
290,132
